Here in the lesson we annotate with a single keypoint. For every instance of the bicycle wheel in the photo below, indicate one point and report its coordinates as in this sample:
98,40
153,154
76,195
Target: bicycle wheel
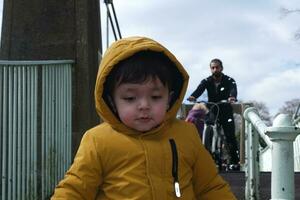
207,137
218,154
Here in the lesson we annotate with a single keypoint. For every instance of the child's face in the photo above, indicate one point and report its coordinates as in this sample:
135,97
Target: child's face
142,106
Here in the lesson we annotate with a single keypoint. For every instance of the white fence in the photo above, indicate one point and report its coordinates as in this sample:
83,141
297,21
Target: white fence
266,156
279,138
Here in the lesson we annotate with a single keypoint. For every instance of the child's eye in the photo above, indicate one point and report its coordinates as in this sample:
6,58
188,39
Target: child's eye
129,98
156,97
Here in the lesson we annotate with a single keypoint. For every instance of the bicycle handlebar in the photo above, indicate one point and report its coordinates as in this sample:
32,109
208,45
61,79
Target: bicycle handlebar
214,105
210,102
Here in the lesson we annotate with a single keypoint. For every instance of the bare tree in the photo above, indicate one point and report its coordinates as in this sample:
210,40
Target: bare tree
290,106
285,12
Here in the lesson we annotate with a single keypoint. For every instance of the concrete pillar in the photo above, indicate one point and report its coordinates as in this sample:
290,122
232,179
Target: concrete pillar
51,30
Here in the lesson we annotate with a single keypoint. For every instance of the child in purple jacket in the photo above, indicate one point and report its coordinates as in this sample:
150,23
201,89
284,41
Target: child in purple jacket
197,115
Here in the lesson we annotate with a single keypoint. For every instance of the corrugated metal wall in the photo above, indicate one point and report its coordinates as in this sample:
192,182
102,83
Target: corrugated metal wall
35,125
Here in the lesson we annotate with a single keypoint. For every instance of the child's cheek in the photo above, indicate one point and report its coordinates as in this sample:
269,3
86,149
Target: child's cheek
125,114
126,117
160,112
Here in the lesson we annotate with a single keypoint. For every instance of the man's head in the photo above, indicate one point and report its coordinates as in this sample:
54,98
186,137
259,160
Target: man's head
216,67
139,88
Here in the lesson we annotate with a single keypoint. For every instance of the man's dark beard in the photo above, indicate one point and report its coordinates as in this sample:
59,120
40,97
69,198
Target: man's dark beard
217,74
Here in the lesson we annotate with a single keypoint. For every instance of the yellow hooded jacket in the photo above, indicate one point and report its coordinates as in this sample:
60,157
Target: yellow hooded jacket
117,163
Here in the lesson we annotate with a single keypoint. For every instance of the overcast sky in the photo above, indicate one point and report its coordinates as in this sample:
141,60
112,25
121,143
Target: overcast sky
254,41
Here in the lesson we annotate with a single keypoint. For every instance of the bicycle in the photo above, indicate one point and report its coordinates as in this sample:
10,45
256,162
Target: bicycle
211,133
214,137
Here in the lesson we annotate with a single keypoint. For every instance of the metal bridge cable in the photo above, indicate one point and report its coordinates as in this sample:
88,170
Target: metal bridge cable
111,22
107,30
116,20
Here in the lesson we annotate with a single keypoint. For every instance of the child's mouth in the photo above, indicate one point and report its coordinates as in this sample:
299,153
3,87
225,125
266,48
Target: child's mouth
144,119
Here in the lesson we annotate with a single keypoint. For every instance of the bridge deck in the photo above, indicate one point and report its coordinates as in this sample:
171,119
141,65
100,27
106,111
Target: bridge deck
237,183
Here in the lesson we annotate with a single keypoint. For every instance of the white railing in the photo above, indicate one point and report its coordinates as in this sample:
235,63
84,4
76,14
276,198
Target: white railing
279,138
35,127
297,146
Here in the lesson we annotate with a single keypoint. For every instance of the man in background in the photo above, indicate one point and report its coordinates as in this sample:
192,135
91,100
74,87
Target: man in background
221,87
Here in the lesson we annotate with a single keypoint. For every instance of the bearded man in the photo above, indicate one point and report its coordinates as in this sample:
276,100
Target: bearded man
221,87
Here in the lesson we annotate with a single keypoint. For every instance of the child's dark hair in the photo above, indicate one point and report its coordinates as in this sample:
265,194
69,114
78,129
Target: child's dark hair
142,66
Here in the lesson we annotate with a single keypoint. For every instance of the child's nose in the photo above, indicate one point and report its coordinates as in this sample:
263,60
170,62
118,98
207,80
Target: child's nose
144,104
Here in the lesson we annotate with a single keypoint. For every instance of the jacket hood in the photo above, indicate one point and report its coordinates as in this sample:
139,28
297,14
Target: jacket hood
119,51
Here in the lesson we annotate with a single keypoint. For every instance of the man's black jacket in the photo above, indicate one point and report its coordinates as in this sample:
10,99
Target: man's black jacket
227,88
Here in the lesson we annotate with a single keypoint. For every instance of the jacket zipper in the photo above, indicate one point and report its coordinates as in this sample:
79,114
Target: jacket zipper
175,167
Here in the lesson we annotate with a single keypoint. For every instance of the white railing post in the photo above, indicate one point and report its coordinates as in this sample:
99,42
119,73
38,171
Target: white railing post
252,158
282,134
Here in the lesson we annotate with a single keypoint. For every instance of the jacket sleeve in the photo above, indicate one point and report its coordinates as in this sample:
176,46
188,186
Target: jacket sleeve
208,184
233,88
83,178
200,89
